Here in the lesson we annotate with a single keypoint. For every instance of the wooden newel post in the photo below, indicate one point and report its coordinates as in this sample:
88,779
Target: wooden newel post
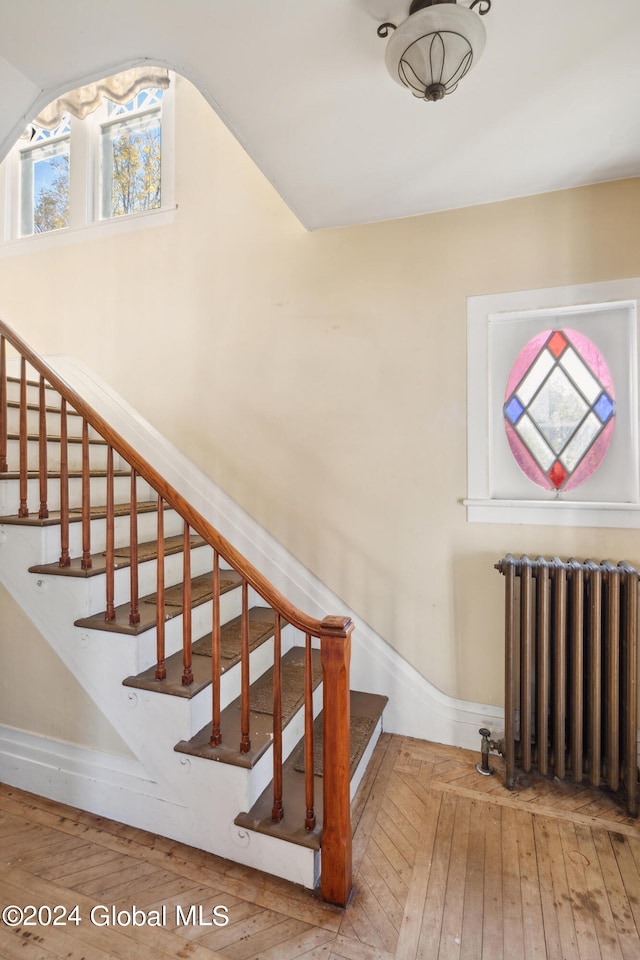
335,654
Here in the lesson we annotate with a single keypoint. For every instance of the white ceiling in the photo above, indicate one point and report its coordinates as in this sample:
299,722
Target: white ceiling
553,103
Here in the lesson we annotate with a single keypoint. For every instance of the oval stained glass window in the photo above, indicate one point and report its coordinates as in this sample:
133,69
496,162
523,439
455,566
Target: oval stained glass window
559,410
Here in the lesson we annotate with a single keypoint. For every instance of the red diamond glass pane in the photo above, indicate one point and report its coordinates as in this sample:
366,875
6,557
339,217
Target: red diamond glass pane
557,474
557,343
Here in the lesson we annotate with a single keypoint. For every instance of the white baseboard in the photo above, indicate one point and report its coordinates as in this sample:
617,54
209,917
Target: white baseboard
109,786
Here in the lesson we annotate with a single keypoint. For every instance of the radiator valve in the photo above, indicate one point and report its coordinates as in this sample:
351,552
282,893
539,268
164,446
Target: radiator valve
486,745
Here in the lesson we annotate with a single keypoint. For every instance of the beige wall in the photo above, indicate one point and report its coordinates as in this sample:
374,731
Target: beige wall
320,378
39,694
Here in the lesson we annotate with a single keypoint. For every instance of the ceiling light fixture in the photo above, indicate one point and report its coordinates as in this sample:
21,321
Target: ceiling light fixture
436,46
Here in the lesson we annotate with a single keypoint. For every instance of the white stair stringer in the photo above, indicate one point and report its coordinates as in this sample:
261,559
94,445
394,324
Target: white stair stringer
186,798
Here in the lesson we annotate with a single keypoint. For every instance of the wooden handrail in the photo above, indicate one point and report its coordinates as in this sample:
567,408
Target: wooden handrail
333,632
331,626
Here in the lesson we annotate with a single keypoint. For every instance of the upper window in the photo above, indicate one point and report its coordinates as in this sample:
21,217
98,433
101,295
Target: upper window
100,153
131,155
44,171
552,424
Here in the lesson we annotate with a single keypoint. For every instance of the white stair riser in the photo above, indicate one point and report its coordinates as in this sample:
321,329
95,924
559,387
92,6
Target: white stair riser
147,530
44,540
185,718
10,493
53,421
51,396
92,590
201,616
97,456
136,654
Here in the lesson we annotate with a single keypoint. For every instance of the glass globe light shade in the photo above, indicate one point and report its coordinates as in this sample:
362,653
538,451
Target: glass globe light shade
434,48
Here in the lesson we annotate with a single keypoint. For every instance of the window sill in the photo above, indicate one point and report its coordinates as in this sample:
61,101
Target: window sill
559,513
97,230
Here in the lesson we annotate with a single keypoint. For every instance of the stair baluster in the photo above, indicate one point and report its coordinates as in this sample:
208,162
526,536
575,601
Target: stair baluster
86,499
3,406
216,734
277,811
245,741
187,673
65,559
23,510
161,670
310,816
134,613
43,471
110,613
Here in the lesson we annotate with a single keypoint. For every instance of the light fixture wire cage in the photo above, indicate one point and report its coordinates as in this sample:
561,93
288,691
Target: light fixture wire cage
436,46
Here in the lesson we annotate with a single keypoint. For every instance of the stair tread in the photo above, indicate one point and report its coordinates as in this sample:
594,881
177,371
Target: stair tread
30,383
202,591
55,474
75,514
261,720
54,438
364,706
261,623
36,406
148,550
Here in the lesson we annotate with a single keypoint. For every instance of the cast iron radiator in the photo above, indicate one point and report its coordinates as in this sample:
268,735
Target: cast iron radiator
571,660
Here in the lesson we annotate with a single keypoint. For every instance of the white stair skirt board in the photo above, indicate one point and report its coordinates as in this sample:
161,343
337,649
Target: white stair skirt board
416,708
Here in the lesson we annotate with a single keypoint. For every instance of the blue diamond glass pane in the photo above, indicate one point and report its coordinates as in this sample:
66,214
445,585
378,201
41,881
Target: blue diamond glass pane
604,407
513,410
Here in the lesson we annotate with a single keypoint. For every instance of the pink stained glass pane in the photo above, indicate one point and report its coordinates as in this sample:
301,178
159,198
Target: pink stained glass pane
559,397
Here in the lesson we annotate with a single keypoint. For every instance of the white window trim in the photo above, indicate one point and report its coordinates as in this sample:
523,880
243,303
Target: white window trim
86,225
481,506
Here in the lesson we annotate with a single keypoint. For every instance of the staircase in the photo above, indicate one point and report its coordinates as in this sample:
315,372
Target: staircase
236,703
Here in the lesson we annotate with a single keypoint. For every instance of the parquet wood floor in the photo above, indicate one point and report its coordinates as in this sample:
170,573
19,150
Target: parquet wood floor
448,865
